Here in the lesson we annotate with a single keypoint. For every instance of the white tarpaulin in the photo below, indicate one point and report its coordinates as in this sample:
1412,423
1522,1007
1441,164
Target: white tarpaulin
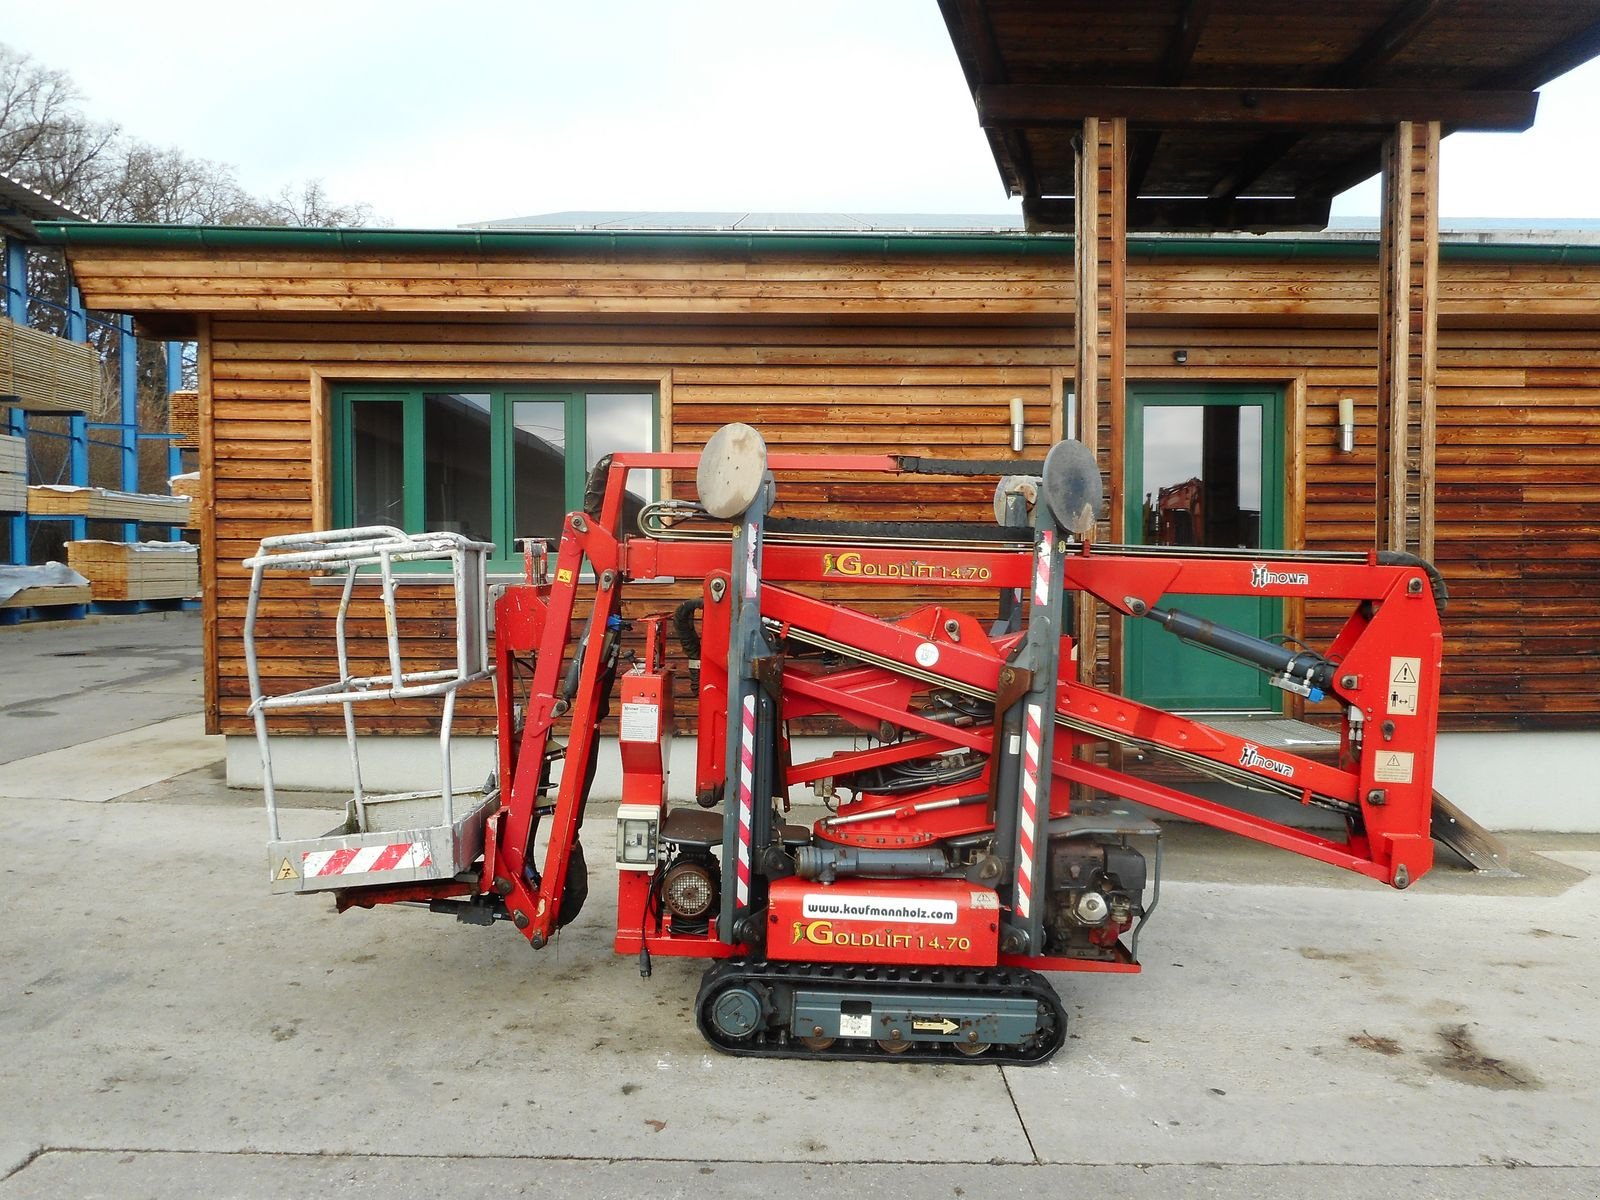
51,574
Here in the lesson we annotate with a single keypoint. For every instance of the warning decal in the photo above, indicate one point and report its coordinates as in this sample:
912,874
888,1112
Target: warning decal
1393,766
285,871
1405,676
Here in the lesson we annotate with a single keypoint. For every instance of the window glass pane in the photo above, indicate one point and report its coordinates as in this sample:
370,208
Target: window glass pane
1249,495
539,456
618,422
1202,475
378,462
456,469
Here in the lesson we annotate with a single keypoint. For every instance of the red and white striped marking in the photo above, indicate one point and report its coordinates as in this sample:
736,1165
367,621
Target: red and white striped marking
747,788
1041,568
752,577
368,860
1030,804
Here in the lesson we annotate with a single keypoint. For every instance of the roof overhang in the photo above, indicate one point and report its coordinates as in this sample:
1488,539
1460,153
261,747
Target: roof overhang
21,206
1247,114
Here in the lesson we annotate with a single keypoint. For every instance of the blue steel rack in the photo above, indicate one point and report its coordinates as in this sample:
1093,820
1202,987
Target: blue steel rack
126,432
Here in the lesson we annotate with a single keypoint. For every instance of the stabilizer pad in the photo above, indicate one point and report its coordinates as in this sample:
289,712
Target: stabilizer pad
1027,485
1072,488
732,468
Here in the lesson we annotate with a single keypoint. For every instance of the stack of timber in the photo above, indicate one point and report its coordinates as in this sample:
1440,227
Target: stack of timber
46,373
137,570
99,504
46,586
190,488
13,474
183,418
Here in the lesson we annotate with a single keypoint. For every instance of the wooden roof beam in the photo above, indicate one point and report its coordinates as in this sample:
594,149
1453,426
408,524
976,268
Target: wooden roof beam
1192,213
1358,69
1015,106
1192,18
1388,40
1257,162
1572,52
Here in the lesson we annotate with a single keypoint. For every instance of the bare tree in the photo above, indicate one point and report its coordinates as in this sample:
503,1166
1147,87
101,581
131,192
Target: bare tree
48,143
92,167
45,140
312,207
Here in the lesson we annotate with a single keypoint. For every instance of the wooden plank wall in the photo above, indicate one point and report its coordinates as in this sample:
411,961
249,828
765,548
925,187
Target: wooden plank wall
942,392
1518,485
922,355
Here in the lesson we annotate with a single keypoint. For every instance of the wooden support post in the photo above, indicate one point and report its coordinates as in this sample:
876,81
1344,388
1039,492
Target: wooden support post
1100,229
1408,311
207,522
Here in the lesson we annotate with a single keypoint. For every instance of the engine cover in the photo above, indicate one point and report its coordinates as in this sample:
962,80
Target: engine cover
903,922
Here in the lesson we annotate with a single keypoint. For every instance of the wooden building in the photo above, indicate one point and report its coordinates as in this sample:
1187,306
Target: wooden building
466,378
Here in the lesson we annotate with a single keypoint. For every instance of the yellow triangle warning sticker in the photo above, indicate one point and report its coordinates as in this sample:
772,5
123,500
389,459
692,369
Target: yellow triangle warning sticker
285,871
1394,766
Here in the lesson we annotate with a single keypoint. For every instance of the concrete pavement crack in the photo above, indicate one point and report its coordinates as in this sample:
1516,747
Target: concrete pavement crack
24,1164
1212,1164
1022,1122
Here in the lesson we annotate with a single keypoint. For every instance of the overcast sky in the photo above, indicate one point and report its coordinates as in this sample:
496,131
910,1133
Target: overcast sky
440,114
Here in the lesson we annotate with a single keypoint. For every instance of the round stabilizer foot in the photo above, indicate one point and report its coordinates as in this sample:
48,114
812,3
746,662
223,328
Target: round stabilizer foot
1072,488
732,468
1026,486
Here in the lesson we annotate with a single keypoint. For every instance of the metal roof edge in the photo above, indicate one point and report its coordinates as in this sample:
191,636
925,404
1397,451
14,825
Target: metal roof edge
25,204
74,234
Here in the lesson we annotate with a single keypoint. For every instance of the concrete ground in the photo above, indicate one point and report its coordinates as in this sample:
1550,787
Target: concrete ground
167,1028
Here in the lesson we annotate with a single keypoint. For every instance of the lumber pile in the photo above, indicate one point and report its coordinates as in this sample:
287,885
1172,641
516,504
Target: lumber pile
190,488
101,504
183,418
46,373
41,586
49,596
13,474
137,570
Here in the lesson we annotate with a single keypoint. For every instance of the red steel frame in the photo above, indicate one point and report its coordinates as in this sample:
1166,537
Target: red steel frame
1394,619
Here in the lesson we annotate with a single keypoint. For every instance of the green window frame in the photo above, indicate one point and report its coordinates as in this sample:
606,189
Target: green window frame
575,400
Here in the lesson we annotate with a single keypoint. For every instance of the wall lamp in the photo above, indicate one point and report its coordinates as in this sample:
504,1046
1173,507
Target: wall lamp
1347,425
1181,357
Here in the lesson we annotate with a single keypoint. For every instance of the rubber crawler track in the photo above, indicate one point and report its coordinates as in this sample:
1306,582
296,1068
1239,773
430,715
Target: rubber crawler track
777,1042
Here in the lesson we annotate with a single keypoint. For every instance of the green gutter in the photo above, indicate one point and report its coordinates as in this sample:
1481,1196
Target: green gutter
536,242
582,243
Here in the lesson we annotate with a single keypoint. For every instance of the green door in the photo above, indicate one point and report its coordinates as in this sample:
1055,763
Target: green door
1204,468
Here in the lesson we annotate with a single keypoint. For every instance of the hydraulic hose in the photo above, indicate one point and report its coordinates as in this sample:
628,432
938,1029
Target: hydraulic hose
689,637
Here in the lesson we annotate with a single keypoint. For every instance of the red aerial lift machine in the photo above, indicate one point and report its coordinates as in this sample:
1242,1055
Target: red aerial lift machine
970,842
